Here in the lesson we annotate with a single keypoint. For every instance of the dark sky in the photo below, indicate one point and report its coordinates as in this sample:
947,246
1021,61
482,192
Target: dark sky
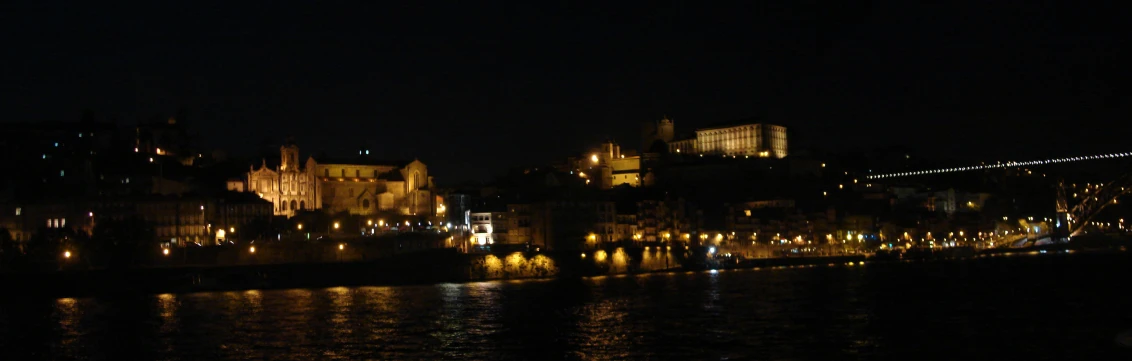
473,88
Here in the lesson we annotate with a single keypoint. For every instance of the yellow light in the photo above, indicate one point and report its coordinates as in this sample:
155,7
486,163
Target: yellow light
406,223
840,186
336,225
252,249
594,158
854,181
165,251
369,222
823,165
300,226
341,246
66,254
380,222
232,229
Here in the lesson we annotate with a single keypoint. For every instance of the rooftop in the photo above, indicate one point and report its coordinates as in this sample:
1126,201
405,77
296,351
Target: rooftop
360,160
737,122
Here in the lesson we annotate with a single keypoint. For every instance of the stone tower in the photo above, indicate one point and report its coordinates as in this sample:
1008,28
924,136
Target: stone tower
289,156
665,129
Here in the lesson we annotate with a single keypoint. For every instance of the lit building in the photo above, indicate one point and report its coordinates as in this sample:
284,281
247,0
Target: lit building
174,220
362,185
488,228
609,167
519,223
742,138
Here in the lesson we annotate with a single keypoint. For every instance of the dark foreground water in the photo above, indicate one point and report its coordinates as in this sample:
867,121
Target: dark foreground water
1019,307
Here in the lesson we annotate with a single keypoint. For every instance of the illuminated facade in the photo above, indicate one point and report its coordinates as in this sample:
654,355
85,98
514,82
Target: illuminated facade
738,139
358,186
489,228
610,168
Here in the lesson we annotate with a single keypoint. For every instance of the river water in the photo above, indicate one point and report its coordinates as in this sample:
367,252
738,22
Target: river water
1019,307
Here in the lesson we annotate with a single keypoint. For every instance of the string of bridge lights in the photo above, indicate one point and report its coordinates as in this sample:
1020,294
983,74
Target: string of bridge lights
1000,165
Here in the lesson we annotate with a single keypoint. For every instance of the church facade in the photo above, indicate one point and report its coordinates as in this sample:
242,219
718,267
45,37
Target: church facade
361,185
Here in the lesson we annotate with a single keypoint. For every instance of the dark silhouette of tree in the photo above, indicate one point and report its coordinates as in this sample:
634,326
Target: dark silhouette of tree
9,251
256,229
121,242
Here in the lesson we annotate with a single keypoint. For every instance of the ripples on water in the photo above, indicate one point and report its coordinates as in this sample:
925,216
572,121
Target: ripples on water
1037,309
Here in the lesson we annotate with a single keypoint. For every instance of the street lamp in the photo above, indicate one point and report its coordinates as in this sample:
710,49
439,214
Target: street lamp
300,226
66,254
336,225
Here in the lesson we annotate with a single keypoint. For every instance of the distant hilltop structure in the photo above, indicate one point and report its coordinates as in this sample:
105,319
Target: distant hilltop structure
361,185
745,137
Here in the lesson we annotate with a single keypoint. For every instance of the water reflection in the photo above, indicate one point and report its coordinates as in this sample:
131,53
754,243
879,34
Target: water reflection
169,325
68,315
883,311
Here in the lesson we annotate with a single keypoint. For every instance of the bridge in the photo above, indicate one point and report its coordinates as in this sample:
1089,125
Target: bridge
1076,207
1000,165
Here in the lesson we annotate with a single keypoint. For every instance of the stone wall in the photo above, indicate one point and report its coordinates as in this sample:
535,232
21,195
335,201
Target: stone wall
590,263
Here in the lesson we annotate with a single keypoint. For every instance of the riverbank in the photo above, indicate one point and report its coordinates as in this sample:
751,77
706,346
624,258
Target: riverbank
442,266
409,269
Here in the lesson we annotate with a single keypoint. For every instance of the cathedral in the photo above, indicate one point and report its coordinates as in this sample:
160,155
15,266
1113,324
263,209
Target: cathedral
361,185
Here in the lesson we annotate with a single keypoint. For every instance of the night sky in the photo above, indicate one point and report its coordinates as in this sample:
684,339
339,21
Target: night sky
476,87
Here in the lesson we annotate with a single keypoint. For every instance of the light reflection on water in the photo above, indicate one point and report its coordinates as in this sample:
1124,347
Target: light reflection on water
880,311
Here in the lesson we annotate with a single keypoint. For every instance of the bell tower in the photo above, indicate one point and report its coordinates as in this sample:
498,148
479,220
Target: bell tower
289,156
665,129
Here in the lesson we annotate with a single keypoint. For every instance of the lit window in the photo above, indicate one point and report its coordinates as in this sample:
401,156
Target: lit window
45,156
80,135
56,144
19,210
60,173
